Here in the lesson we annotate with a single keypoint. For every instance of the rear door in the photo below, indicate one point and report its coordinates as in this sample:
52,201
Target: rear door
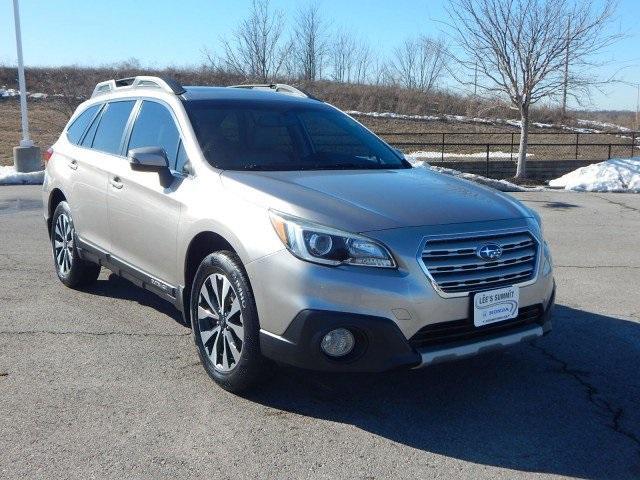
144,206
101,148
88,179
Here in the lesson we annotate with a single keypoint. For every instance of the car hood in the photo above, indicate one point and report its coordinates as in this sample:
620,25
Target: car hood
368,200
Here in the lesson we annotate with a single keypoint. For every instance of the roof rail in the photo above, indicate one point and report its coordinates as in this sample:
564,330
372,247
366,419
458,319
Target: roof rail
143,81
277,87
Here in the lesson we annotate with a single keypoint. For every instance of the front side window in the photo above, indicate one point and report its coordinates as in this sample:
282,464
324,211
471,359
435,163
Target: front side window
155,127
182,158
113,120
80,124
285,136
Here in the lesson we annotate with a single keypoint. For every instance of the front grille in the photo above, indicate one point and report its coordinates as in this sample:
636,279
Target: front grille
463,330
454,267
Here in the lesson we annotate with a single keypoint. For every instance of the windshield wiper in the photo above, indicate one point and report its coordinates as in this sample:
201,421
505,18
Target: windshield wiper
314,166
348,166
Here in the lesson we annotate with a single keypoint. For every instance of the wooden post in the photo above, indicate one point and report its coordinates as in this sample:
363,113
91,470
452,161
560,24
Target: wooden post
442,152
512,146
487,160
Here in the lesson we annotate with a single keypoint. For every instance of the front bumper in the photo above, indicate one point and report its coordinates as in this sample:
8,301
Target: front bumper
290,292
380,345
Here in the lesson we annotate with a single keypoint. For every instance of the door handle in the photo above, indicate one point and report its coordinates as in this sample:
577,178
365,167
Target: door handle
116,183
73,164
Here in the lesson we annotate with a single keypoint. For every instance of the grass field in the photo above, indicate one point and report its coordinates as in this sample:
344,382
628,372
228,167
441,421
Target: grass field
47,118
45,123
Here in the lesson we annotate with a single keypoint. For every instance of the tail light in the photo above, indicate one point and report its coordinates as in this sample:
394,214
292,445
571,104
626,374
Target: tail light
46,155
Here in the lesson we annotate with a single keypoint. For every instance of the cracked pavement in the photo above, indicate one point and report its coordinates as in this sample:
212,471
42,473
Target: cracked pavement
105,383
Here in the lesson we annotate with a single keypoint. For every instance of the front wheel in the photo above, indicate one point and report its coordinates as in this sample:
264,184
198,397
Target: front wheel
225,323
70,268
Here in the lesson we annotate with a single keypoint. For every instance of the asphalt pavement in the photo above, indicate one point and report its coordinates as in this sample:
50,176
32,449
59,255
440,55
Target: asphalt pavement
106,383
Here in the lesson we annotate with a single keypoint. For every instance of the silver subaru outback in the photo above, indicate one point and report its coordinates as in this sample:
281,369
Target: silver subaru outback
286,232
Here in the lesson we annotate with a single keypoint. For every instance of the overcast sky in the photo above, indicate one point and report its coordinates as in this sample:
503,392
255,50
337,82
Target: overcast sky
163,32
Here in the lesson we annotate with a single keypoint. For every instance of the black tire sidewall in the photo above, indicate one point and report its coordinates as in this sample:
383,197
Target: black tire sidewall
81,272
245,374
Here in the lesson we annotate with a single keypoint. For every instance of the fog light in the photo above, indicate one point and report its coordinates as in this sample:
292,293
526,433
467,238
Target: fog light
338,342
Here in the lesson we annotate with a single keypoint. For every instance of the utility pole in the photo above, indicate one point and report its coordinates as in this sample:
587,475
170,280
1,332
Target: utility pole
566,73
638,107
475,81
26,157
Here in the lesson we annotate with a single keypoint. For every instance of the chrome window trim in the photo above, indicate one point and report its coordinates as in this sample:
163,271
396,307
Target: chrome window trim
481,233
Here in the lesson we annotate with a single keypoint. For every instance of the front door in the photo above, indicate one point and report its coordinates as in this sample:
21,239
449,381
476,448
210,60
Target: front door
144,206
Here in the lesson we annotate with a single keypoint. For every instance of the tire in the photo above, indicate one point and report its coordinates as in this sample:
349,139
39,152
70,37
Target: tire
70,268
226,334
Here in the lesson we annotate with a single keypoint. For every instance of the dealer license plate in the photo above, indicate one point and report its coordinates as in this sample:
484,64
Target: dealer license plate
495,305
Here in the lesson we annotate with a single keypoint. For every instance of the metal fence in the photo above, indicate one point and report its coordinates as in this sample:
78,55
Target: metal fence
541,145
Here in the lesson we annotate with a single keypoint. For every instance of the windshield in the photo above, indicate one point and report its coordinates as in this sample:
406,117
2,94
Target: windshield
281,136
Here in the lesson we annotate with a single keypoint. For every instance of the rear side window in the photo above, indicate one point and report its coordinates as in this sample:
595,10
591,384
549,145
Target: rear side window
80,124
112,122
155,127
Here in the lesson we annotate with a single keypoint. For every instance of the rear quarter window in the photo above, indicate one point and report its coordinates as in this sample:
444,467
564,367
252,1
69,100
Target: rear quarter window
77,128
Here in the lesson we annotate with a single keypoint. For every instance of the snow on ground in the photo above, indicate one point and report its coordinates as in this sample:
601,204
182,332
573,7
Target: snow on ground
605,125
495,121
9,176
437,155
12,92
615,175
424,118
501,185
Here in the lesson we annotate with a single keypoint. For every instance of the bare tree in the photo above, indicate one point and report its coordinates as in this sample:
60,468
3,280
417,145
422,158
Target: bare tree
350,58
520,47
361,64
257,49
310,42
379,71
342,55
419,63
211,60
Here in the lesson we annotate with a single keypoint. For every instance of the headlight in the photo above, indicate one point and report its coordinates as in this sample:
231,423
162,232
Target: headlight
328,246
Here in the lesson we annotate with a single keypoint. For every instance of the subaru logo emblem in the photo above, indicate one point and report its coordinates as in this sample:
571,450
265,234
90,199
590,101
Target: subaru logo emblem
490,251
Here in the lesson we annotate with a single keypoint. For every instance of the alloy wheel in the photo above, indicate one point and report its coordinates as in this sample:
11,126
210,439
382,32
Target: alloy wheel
63,243
220,322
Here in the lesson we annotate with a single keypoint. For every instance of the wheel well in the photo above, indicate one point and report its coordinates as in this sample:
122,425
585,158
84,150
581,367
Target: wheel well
54,199
202,245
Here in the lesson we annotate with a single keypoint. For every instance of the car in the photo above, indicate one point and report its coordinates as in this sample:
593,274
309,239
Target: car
288,233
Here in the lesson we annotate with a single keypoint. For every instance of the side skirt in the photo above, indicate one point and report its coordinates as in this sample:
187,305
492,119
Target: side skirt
93,253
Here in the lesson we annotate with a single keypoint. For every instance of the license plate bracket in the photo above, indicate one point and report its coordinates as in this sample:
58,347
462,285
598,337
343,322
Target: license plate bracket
497,305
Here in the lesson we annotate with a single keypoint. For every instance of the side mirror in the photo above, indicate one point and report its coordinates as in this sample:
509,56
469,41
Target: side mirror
148,158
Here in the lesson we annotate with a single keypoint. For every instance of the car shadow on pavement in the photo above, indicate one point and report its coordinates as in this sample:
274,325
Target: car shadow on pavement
555,205
115,286
566,404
